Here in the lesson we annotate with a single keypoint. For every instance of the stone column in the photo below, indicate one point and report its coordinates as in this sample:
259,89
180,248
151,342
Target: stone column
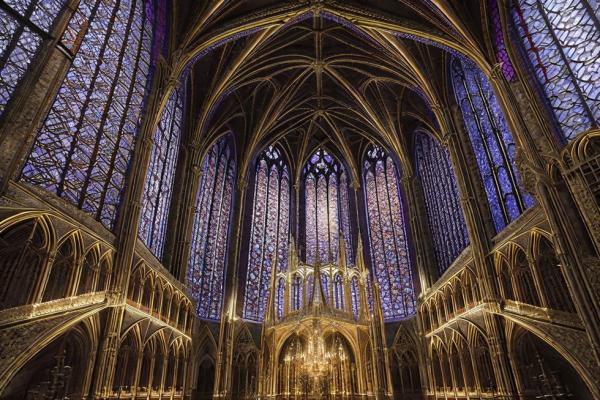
426,266
547,180
480,233
228,314
126,230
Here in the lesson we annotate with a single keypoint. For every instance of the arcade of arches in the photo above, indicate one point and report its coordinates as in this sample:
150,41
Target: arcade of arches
308,199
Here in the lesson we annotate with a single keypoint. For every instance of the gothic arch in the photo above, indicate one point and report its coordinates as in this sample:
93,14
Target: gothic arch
26,242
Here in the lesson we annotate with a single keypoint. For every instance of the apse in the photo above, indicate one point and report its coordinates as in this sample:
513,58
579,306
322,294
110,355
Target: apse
282,200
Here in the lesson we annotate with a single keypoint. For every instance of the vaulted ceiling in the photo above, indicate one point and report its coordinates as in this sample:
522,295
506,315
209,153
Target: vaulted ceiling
310,73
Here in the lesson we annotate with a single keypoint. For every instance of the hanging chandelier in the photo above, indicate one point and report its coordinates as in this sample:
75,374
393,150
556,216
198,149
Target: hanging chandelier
316,357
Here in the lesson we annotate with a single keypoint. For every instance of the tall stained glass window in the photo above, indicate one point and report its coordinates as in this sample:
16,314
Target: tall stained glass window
444,212
388,235
326,208
498,39
208,254
269,231
562,39
159,177
83,147
23,24
492,143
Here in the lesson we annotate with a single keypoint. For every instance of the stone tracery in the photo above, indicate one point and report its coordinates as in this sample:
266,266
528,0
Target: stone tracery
197,308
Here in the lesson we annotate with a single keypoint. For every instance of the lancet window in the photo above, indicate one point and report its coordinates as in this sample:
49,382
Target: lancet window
84,145
326,208
492,143
388,235
160,175
444,212
212,217
269,232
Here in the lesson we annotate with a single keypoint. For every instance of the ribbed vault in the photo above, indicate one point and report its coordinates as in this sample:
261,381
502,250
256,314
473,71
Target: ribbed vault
316,73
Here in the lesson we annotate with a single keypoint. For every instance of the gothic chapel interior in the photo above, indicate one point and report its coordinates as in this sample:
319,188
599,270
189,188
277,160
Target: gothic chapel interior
303,199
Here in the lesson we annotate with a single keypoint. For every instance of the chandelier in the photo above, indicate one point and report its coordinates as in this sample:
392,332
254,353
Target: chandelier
315,359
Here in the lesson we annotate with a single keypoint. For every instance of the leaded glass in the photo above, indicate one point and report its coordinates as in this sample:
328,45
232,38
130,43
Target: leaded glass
498,38
388,235
84,146
19,43
355,297
212,216
444,212
280,297
159,177
562,39
269,230
326,208
338,292
297,293
492,143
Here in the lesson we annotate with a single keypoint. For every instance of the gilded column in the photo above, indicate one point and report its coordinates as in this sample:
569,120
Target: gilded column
229,315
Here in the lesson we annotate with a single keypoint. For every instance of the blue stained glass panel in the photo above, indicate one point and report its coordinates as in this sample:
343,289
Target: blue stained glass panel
212,216
326,209
492,142
19,44
161,174
84,146
444,212
390,256
562,40
269,230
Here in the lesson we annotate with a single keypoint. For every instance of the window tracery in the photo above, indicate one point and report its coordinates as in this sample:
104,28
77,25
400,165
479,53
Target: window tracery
210,232
24,24
388,235
269,232
498,40
444,212
84,146
326,208
160,175
562,40
492,142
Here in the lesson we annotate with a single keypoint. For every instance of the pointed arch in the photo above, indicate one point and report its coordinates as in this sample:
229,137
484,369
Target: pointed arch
492,142
445,215
212,217
326,208
388,234
160,175
269,234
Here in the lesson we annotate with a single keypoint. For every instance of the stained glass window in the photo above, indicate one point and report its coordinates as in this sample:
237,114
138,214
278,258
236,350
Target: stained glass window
492,143
562,39
326,208
444,212
498,39
269,231
23,26
355,297
388,235
338,292
297,293
161,172
212,217
280,297
83,147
